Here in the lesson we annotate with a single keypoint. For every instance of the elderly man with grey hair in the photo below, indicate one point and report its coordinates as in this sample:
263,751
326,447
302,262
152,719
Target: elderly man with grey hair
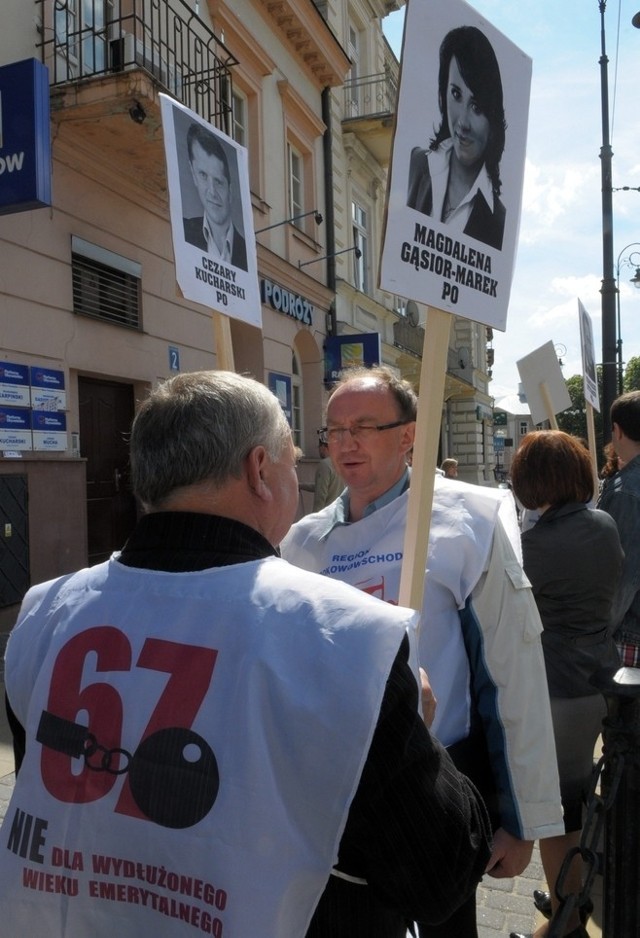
212,738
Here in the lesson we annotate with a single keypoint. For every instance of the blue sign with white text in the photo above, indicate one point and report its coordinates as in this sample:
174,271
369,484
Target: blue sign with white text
47,378
49,431
14,384
344,351
15,429
25,138
14,374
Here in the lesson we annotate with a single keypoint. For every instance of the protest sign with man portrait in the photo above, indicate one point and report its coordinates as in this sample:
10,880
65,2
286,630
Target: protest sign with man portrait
211,220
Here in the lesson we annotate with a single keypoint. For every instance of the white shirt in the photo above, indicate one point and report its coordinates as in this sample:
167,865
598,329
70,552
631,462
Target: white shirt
212,247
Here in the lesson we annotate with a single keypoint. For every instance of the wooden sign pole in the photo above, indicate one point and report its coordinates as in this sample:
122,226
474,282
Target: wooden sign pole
546,397
224,346
425,456
591,436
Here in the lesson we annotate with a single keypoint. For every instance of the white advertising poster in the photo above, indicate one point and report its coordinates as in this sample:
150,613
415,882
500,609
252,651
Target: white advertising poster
590,381
455,186
211,220
544,383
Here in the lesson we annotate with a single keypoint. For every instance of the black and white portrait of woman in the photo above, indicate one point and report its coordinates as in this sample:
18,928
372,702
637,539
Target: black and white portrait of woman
455,178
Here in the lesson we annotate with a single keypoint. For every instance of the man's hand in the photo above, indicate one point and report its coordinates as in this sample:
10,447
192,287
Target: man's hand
429,702
510,856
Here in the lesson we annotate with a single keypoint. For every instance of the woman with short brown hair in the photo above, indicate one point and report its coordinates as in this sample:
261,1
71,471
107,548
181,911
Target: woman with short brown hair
573,557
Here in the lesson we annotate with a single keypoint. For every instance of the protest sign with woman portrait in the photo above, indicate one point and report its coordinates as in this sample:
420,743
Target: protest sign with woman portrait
455,186
456,178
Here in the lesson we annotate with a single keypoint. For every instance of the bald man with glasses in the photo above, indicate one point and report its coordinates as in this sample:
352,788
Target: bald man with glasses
479,637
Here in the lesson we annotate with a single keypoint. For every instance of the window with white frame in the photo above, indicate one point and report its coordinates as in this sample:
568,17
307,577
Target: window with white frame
239,117
359,223
524,428
296,184
353,94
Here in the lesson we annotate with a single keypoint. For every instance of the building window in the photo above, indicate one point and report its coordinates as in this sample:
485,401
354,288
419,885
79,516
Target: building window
105,285
359,221
66,27
353,92
239,130
296,400
524,428
296,185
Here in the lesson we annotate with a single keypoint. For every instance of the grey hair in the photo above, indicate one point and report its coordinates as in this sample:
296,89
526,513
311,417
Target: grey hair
200,426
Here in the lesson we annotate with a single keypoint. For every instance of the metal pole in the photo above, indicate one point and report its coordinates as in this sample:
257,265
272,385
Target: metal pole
608,289
633,244
621,780
619,328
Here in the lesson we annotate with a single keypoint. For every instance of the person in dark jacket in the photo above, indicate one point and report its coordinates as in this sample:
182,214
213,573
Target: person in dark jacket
284,760
573,557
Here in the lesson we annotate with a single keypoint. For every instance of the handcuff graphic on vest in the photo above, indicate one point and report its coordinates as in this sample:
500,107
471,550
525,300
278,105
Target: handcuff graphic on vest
172,776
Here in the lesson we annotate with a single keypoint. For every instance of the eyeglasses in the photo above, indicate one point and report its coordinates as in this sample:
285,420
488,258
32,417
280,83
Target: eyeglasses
359,432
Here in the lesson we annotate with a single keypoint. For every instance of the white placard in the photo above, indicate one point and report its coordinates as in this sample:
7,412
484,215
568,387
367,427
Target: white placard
544,383
444,247
590,381
211,222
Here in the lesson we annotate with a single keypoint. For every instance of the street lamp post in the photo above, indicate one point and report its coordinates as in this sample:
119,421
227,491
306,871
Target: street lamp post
608,289
635,280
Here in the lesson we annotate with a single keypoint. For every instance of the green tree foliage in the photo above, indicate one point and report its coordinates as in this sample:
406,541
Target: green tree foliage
631,380
574,419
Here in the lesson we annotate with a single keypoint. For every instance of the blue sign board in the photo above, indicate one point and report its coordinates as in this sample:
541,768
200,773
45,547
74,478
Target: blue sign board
345,351
47,378
49,430
47,389
25,138
174,358
14,384
14,374
15,428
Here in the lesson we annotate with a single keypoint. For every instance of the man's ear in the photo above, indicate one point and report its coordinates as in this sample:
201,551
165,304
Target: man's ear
407,436
256,462
616,432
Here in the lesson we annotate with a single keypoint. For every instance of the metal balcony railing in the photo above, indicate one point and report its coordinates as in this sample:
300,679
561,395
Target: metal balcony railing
370,96
164,38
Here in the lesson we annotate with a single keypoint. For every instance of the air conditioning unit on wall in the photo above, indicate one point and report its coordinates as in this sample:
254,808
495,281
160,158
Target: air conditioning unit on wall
129,52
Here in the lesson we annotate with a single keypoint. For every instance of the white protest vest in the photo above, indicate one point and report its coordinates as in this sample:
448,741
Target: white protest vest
230,712
368,554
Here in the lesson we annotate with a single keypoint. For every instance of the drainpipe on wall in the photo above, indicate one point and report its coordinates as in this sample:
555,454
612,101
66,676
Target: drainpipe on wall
327,149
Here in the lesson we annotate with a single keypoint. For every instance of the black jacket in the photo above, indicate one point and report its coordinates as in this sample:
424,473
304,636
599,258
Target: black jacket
194,234
573,557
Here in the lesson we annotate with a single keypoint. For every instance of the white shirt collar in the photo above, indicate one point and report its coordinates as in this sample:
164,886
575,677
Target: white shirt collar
212,247
439,161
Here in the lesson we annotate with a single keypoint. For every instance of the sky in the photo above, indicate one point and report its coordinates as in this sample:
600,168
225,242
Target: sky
559,254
